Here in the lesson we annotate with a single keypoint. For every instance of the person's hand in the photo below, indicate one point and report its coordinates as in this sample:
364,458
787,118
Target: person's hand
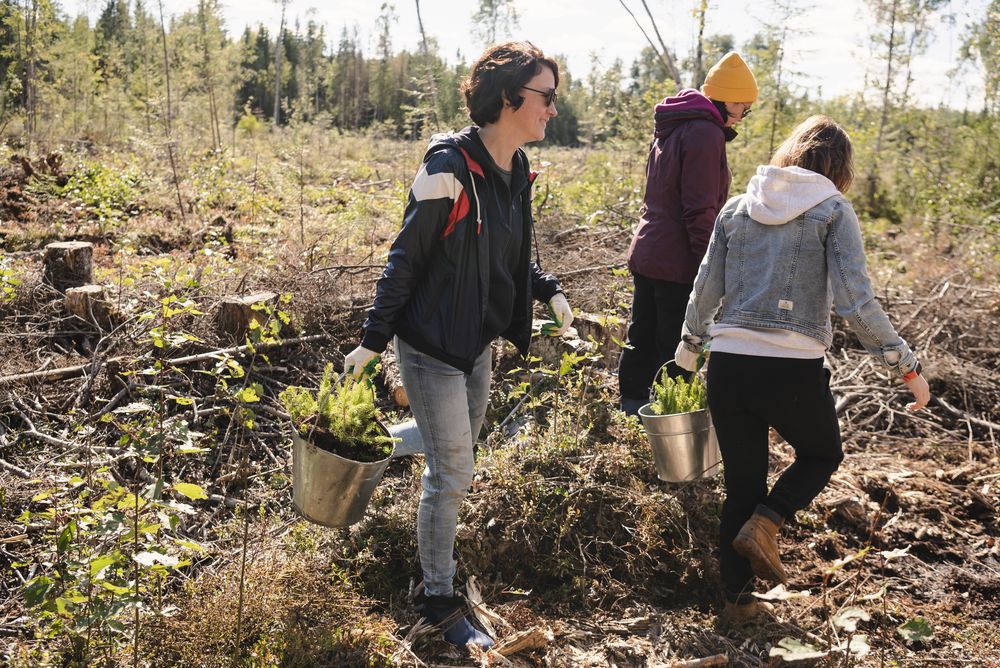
360,361
562,316
687,356
921,392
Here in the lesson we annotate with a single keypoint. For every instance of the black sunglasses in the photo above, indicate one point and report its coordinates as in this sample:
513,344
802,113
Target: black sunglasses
746,112
550,95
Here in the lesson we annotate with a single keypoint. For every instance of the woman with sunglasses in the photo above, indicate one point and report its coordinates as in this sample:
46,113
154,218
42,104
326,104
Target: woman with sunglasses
687,182
461,274
781,256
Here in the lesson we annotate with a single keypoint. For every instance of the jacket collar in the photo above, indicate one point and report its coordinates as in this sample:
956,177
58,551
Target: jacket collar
479,161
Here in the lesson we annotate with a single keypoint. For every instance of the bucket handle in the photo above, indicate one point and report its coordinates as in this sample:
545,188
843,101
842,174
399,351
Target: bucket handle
656,378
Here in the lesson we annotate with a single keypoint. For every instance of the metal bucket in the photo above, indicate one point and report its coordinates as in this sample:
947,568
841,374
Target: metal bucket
328,489
684,444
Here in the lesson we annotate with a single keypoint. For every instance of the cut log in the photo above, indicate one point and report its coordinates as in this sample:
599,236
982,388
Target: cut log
236,313
87,302
63,373
392,379
68,264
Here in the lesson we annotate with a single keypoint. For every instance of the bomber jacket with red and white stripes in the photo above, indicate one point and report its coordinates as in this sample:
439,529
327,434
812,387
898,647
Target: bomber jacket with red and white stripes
435,290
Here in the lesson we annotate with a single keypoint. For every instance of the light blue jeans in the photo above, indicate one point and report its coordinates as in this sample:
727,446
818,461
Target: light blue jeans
448,410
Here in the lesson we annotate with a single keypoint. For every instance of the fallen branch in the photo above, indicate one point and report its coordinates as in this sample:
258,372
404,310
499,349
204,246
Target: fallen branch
533,638
32,432
715,660
115,400
348,267
965,416
16,470
227,501
585,270
844,400
65,373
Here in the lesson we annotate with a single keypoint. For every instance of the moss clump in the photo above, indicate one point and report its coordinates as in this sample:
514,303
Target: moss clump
676,395
341,418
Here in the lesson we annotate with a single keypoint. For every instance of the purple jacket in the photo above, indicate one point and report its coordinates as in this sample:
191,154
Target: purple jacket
687,183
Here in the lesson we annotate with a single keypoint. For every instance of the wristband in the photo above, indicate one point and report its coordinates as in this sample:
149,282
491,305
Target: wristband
912,373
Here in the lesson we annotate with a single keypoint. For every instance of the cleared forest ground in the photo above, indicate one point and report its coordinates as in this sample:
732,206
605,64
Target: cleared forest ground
149,486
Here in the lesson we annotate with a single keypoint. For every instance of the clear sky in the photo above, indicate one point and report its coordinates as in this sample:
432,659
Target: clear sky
828,46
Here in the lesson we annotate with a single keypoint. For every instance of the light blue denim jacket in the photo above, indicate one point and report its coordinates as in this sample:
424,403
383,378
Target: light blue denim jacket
781,255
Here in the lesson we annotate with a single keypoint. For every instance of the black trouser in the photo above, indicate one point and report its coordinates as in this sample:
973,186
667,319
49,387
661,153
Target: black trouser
746,395
653,334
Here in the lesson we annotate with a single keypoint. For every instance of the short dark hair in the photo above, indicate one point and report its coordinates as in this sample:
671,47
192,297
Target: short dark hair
499,74
819,145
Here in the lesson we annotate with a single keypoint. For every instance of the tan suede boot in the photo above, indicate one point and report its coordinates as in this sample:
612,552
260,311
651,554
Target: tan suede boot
758,542
736,614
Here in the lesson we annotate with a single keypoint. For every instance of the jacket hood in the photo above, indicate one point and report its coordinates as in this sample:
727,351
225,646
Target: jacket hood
776,195
468,141
686,105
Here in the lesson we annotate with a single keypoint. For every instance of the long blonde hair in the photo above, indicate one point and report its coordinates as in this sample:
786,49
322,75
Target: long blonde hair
819,145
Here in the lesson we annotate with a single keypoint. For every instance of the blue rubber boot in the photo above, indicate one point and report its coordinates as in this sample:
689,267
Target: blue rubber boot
448,614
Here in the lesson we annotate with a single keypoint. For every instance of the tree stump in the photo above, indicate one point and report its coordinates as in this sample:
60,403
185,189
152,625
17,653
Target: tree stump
87,302
609,331
392,379
236,313
68,264
551,348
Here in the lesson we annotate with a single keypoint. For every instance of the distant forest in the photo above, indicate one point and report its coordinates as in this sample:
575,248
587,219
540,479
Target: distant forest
133,66
135,75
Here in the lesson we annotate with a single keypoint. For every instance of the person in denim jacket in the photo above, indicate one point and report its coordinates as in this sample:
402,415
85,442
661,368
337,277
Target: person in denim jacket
781,256
461,274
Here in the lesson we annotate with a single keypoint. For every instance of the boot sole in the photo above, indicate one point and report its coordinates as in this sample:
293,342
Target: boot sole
759,563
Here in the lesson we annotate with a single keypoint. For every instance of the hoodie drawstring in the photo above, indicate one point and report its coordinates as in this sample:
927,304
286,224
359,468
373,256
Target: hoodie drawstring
475,196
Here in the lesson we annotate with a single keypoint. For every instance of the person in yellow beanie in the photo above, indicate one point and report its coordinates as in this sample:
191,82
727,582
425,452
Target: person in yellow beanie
687,182
730,80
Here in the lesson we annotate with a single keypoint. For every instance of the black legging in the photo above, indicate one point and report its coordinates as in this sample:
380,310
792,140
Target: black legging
653,334
746,395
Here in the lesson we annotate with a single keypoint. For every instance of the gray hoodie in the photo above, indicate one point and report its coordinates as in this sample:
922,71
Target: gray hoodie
781,256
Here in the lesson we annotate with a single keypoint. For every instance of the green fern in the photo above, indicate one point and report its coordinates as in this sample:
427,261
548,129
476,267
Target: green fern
676,395
345,411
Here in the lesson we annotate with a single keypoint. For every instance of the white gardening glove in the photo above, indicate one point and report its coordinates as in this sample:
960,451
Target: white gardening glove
360,361
689,354
562,316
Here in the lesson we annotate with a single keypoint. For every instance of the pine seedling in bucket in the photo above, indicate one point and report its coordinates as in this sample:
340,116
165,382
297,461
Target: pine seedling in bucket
676,395
340,449
680,430
341,418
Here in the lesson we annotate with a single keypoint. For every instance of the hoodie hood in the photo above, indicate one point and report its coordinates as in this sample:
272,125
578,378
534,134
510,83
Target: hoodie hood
686,105
776,195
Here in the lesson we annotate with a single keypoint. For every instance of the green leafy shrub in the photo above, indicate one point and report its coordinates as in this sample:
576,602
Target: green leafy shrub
676,395
8,283
110,194
341,418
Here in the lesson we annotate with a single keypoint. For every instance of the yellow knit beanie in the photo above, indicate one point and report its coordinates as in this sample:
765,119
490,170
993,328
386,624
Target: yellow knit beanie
730,80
